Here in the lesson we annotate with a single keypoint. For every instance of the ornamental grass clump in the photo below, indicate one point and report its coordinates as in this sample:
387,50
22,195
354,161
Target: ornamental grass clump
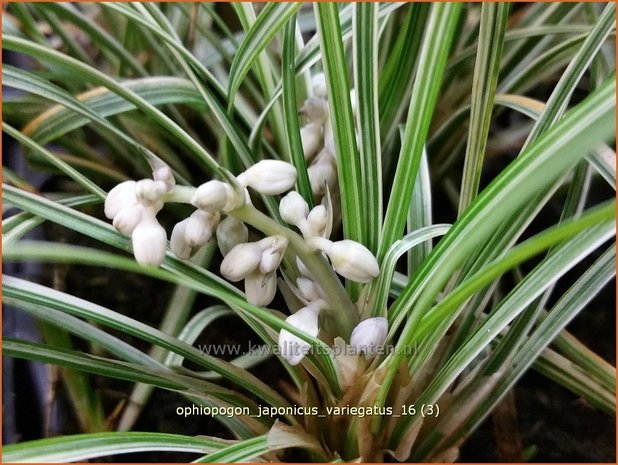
405,203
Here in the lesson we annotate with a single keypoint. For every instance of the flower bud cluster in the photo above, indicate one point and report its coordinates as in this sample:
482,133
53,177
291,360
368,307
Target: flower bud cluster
317,139
256,263
294,210
349,258
133,206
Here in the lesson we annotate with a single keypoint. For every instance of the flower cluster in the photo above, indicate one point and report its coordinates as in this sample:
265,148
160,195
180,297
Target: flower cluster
256,263
133,207
348,258
317,139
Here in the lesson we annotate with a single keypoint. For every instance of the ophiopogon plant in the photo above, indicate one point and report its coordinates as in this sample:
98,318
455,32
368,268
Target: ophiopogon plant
287,160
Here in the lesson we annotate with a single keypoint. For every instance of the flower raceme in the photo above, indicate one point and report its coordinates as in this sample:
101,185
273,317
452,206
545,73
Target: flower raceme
133,207
131,202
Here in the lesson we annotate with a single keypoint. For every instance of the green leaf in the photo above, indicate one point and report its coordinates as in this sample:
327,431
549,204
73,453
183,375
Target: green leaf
70,43
114,369
521,33
82,447
541,165
278,438
602,158
486,69
593,365
96,104
271,19
576,380
92,75
98,35
432,60
420,214
265,66
290,109
241,452
365,47
342,121
547,63
19,225
310,55
85,398
33,293
72,173
378,290
397,76
559,99
91,333
569,305
543,276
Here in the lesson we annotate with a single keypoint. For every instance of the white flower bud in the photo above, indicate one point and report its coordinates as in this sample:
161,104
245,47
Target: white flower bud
350,259
230,233
178,244
316,110
211,196
311,138
240,261
292,348
164,174
121,196
369,335
260,289
128,218
353,261
316,220
293,208
273,248
308,289
321,174
149,192
149,240
318,85
269,177
199,228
